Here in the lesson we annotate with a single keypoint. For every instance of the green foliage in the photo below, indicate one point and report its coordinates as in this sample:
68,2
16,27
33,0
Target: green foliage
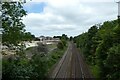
18,69
39,61
60,45
54,56
63,42
100,46
57,37
24,69
27,36
71,38
12,25
95,70
113,59
39,64
64,37
85,41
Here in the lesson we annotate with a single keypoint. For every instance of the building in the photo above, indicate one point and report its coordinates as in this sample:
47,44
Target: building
48,40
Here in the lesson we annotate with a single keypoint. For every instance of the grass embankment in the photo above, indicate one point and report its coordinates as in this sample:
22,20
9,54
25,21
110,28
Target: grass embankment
51,46
35,66
54,57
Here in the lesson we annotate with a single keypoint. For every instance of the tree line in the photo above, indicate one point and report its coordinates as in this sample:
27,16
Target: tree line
18,66
101,47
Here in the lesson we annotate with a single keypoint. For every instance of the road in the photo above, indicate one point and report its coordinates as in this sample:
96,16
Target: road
71,66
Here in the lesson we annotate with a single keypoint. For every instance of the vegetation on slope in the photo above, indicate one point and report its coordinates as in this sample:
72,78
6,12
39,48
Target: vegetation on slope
100,45
18,66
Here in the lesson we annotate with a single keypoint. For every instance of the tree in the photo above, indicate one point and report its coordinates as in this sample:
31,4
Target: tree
64,37
101,47
20,68
12,25
60,45
87,43
112,63
71,38
27,36
13,31
39,62
57,37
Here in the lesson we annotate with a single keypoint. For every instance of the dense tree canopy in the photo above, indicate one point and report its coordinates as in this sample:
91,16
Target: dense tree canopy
100,46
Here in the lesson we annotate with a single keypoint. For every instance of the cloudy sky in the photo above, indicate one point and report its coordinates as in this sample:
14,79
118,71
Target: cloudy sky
71,17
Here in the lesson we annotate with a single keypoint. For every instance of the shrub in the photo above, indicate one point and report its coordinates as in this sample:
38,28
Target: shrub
60,45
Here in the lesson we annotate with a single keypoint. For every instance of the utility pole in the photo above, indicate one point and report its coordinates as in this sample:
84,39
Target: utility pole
118,12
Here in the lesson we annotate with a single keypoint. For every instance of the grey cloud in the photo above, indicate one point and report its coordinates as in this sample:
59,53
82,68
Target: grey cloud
76,18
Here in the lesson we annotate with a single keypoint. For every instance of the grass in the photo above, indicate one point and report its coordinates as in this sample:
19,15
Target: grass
95,70
29,48
51,46
54,56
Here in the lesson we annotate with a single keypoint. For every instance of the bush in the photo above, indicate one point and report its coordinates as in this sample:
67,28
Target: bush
21,68
112,63
16,69
60,45
64,42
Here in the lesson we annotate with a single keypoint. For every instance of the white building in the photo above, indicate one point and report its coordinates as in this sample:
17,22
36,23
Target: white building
48,40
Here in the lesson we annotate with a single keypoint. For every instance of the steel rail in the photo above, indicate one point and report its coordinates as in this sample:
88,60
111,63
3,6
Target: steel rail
62,61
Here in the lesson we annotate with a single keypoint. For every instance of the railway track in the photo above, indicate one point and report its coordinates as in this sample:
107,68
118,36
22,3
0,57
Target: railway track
71,66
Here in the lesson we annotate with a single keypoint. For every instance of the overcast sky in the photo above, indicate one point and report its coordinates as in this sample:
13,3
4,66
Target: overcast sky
71,17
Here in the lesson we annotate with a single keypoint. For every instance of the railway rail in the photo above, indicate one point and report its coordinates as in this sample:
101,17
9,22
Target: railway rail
71,66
